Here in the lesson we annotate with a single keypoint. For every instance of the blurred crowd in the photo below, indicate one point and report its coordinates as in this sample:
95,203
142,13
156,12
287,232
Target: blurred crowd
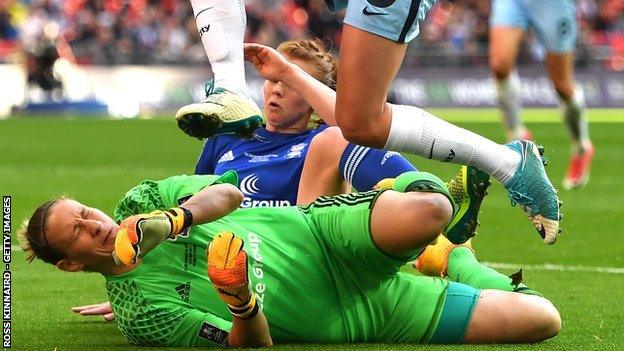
108,32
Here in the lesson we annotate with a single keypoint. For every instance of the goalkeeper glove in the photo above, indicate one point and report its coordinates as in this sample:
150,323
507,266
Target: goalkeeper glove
227,269
141,233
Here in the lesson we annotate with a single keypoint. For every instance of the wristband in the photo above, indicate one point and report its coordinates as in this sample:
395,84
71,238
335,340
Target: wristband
180,219
247,311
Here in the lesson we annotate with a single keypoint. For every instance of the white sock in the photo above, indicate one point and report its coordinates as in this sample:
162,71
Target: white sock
509,101
416,131
575,118
221,25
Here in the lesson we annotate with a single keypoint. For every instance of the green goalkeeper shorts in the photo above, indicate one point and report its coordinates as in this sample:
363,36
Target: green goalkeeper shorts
343,224
380,304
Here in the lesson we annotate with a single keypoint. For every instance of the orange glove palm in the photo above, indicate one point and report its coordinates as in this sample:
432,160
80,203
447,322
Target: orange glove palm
227,269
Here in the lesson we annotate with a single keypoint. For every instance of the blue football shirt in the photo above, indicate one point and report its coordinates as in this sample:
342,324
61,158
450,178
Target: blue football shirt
269,164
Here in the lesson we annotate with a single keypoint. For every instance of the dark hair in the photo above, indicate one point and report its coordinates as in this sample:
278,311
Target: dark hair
33,238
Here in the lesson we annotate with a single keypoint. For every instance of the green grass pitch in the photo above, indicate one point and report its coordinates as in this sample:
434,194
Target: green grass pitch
96,160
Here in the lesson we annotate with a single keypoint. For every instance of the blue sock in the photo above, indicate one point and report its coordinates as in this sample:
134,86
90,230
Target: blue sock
363,167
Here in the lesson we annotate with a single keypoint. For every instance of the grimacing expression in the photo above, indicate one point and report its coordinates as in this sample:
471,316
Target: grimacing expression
84,234
283,107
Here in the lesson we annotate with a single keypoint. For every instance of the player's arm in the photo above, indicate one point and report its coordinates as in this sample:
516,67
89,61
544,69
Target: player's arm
321,174
271,65
213,202
141,233
252,332
228,273
227,269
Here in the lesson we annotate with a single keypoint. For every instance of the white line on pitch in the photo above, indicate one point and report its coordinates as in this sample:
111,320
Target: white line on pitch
484,115
535,267
556,267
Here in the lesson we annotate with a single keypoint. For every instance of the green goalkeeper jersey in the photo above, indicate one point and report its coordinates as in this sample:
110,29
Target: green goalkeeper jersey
316,273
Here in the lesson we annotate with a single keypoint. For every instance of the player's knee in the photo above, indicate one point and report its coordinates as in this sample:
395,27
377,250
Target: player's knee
550,322
545,322
554,325
437,209
564,90
443,211
363,135
500,67
359,128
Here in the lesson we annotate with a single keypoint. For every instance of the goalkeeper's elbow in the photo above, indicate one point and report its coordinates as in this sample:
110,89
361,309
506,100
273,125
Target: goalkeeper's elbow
236,197
229,197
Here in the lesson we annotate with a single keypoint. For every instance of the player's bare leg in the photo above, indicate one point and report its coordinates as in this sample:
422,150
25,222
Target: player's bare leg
504,43
368,65
363,80
507,310
508,317
404,222
560,68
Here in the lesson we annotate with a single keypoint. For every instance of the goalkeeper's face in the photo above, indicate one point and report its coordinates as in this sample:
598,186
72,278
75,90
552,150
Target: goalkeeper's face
84,234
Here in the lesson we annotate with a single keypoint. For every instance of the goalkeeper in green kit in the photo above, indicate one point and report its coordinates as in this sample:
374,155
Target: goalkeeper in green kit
327,272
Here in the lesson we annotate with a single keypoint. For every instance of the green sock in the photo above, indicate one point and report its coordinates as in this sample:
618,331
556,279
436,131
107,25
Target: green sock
463,267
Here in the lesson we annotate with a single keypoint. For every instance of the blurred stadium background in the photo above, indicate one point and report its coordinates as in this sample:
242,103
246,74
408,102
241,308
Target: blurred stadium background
142,58
133,57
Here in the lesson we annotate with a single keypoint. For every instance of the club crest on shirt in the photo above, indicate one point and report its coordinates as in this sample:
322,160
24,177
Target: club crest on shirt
296,150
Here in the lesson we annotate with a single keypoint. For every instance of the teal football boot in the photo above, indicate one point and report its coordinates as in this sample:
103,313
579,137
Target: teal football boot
532,190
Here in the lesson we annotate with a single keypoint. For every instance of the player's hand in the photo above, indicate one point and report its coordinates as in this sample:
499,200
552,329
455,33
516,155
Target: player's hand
141,233
269,63
103,309
227,269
